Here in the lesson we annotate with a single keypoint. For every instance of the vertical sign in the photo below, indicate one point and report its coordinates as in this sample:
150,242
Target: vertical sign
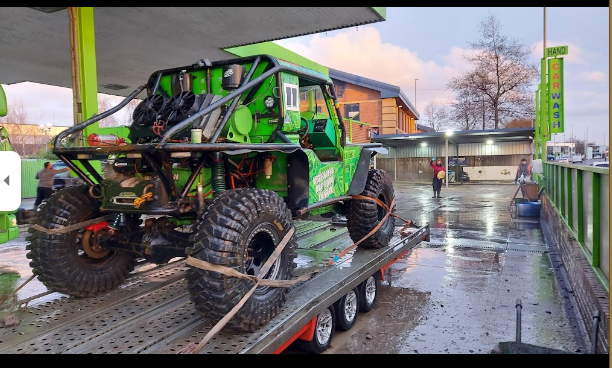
555,95
537,139
544,126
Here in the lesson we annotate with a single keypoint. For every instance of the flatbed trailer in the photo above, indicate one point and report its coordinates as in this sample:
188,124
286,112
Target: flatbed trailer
152,313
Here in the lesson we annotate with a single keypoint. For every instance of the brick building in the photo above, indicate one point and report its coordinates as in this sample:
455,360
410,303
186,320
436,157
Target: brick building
372,108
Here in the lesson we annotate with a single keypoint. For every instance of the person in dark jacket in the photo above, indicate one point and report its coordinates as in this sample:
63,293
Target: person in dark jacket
438,174
45,178
524,171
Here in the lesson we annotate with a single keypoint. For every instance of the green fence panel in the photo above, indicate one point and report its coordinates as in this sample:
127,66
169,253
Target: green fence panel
29,167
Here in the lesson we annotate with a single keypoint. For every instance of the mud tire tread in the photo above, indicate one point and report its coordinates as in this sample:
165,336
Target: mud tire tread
55,259
221,238
363,215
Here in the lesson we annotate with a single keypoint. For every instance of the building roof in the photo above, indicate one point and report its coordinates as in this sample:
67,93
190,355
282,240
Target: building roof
133,42
458,137
386,90
426,128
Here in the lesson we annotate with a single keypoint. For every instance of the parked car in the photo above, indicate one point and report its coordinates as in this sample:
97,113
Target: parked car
64,179
603,164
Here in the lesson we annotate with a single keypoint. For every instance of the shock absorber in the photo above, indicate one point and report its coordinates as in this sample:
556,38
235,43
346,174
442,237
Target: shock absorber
218,174
116,221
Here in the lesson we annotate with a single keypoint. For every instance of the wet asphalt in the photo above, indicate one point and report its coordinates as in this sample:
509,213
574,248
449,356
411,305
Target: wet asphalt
457,293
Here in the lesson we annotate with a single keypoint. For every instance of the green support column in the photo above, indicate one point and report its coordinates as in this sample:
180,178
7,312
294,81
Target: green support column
562,191
570,199
86,51
86,70
596,217
580,207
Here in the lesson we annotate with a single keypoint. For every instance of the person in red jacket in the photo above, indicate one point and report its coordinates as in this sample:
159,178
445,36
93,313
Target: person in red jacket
438,174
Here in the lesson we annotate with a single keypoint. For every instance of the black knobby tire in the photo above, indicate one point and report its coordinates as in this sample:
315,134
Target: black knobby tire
325,326
368,294
240,230
59,260
347,309
364,215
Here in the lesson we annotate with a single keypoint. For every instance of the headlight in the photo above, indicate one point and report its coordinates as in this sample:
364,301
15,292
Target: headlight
269,102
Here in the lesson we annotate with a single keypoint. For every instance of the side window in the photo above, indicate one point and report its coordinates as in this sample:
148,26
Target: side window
292,102
312,103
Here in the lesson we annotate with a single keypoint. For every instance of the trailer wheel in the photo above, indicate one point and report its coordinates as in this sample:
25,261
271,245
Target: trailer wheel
347,308
364,215
367,294
240,230
68,263
323,334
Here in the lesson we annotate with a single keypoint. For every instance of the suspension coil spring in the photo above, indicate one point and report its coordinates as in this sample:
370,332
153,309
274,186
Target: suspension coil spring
116,221
218,175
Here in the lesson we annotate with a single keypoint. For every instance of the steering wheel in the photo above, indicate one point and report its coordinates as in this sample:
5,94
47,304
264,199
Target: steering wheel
303,131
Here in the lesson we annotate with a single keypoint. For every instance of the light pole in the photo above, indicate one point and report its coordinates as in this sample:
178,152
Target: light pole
447,134
415,93
46,128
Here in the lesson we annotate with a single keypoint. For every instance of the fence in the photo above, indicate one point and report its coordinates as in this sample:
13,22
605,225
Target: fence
29,167
576,209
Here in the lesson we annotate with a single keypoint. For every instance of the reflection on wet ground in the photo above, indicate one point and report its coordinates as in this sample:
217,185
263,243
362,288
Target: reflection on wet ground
457,293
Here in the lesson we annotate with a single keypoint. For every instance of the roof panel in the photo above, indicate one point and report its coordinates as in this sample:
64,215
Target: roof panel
458,137
133,42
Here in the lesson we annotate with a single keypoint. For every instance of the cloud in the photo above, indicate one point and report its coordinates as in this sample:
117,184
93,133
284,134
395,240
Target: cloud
362,52
598,77
575,54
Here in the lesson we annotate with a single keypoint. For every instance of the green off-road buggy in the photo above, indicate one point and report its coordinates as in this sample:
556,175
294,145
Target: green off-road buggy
221,159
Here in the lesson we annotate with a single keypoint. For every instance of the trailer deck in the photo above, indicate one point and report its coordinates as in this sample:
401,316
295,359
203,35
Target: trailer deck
152,314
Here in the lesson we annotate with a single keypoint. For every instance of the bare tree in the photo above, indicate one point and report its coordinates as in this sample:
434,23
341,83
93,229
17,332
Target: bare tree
122,117
464,114
436,116
502,75
520,123
26,137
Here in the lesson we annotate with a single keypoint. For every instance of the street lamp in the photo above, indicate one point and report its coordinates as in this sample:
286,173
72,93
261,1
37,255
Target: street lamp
46,128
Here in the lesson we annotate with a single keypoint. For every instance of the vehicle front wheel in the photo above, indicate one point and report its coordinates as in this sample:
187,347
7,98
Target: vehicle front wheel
364,215
240,230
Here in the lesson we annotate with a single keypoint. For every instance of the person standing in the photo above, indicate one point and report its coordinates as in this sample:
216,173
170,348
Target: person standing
45,178
524,171
439,172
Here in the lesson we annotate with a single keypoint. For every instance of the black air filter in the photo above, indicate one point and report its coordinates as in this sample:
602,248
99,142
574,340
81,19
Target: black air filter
232,76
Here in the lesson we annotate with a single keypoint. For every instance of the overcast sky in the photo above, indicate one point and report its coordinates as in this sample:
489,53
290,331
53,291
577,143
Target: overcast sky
427,44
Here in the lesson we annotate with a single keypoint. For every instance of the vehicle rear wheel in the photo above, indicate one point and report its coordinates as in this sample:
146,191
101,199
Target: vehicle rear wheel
240,230
364,215
72,263
323,334
347,308
368,294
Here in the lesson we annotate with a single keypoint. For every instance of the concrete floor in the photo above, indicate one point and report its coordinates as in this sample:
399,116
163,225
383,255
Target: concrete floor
456,294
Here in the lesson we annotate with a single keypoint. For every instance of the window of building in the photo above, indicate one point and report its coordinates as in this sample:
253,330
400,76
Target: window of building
340,86
351,111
